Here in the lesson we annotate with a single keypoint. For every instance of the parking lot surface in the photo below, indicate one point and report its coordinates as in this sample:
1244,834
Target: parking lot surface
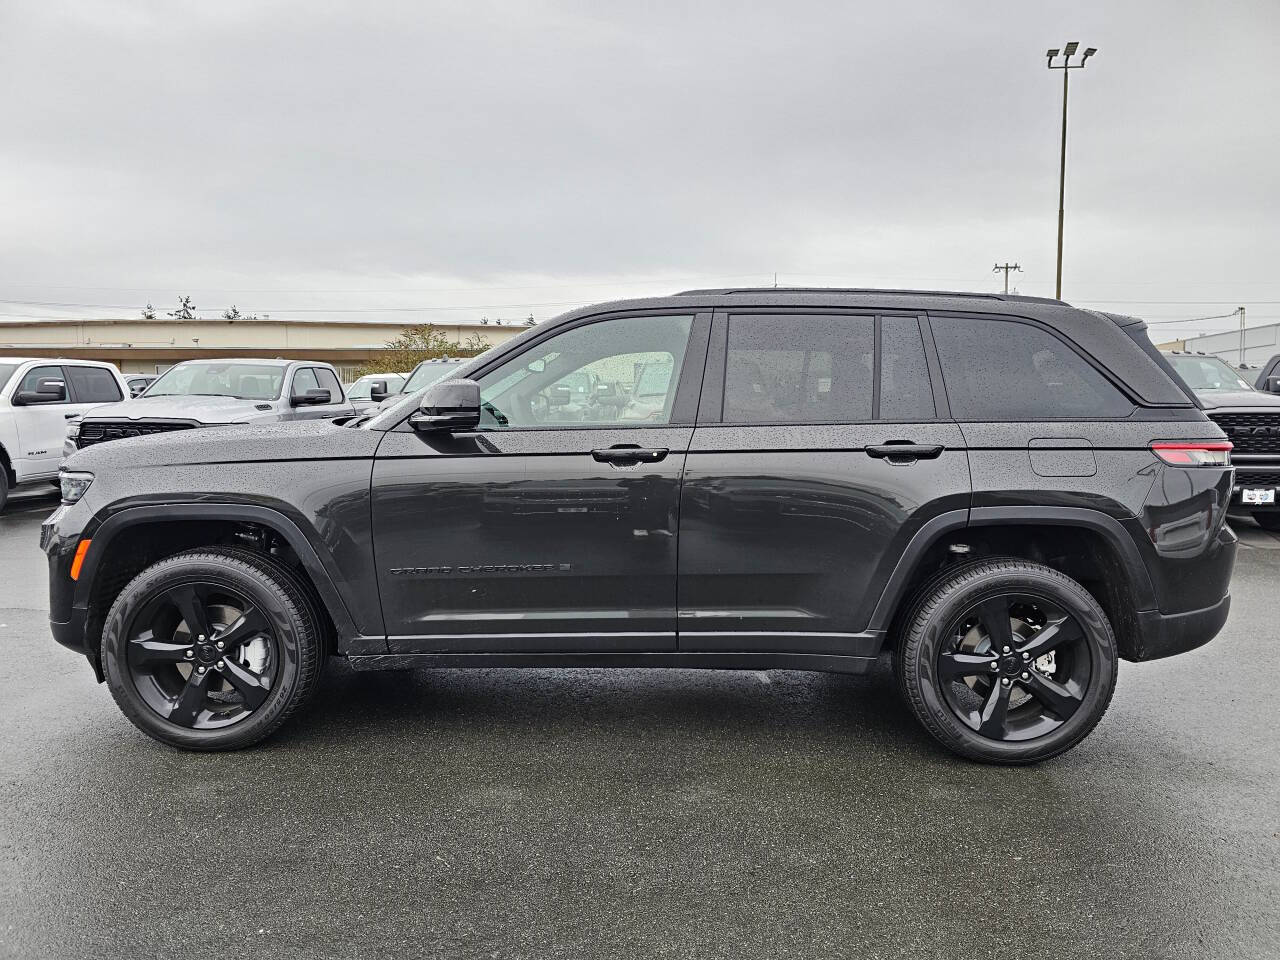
580,813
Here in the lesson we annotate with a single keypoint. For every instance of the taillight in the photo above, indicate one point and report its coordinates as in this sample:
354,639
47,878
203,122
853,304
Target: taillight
1183,453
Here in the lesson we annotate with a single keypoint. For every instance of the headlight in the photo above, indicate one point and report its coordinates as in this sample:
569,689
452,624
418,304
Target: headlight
73,429
74,485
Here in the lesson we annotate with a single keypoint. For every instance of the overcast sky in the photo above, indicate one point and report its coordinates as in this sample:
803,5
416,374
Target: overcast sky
334,159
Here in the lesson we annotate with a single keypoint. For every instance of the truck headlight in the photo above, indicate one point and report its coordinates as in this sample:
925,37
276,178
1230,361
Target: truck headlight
73,429
74,485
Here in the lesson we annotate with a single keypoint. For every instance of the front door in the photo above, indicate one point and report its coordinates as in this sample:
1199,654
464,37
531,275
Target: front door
42,427
551,528
819,453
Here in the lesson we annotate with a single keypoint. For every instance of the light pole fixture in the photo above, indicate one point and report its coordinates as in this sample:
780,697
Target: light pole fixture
1066,66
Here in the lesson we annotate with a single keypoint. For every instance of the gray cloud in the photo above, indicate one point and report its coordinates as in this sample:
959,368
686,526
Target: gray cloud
409,147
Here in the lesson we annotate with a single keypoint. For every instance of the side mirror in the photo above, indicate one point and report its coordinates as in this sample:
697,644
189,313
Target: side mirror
48,390
310,398
448,407
378,391
137,390
1273,385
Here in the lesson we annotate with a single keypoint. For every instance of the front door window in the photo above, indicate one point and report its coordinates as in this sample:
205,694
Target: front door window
611,373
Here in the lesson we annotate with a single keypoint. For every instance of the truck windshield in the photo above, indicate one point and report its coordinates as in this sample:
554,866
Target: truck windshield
244,381
428,373
1208,373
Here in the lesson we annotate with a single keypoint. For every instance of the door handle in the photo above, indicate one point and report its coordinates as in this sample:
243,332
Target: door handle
625,454
904,451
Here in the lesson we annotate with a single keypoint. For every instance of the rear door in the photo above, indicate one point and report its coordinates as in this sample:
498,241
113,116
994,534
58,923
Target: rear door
820,451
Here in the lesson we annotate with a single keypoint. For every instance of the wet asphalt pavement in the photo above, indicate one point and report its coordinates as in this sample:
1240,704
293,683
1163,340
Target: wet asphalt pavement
584,813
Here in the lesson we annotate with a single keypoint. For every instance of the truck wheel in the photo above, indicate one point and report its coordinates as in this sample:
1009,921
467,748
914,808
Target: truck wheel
211,649
1006,661
4,487
1267,521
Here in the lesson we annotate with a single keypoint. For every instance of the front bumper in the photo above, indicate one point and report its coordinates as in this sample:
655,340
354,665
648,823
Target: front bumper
1255,480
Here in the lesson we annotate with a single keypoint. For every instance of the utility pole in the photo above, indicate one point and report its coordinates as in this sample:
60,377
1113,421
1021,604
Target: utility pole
1241,309
1066,67
1006,267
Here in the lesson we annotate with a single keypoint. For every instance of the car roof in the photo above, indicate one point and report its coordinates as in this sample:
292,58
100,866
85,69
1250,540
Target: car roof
87,363
1110,339
264,361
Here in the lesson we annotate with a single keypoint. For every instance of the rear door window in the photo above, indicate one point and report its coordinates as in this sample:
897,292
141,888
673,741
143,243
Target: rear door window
825,368
93,385
1009,370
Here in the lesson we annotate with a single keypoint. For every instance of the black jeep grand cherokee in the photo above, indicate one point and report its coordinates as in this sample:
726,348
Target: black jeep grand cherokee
1008,494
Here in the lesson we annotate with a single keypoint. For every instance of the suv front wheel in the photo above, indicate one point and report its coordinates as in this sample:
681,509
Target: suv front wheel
1006,661
212,649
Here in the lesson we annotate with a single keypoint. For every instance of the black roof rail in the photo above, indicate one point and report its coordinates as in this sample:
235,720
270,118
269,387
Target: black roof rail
965,294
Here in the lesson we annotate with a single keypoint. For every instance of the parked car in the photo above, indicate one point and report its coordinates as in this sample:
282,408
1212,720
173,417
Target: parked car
138,383
1251,420
205,393
1006,494
36,398
1267,378
423,375
360,392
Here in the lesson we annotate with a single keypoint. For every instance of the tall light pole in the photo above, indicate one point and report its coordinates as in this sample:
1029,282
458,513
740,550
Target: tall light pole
1066,67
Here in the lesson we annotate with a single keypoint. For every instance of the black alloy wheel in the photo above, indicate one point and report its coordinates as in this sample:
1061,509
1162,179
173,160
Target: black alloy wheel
212,649
1016,667
1006,661
202,655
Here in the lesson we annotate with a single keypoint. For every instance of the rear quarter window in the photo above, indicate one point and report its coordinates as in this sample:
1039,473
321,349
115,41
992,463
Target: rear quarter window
1008,370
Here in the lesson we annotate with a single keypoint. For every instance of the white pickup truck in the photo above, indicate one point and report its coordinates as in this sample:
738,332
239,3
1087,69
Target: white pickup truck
37,398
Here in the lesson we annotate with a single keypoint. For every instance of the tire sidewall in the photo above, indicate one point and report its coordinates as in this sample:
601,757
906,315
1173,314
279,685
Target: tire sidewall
1057,589
275,604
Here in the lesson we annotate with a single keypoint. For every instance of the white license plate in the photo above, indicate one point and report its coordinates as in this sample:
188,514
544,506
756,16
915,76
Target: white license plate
1258,496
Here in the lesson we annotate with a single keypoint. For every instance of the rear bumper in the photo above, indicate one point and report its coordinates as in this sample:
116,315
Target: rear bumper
1166,634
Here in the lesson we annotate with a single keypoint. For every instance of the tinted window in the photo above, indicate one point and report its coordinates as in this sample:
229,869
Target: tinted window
613,372
93,385
784,369
303,380
33,377
329,382
905,392
1004,370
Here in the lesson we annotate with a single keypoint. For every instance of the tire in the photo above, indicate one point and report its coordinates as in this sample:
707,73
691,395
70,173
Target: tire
4,487
175,686
1039,699
1267,521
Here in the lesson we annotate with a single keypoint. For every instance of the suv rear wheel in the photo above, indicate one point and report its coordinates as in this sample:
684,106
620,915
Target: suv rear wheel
1006,661
212,649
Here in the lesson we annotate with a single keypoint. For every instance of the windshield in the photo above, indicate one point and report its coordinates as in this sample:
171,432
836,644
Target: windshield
6,371
428,373
244,381
1208,373
361,389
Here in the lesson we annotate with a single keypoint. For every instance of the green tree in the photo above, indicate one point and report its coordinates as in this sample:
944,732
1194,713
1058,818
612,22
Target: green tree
231,313
148,312
417,343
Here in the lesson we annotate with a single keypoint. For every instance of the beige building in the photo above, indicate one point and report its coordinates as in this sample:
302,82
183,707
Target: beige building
151,346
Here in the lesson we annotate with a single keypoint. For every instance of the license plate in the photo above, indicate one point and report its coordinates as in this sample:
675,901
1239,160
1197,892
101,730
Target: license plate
1258,496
